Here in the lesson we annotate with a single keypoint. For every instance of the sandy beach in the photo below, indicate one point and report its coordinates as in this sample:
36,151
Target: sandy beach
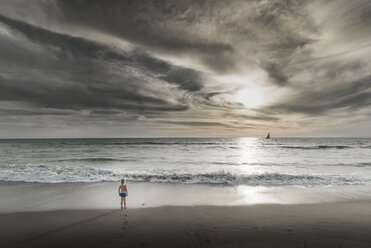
341,224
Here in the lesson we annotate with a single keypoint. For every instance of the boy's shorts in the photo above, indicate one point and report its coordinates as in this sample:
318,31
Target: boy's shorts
123,194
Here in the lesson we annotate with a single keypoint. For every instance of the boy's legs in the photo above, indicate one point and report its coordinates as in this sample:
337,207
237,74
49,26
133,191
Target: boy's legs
124,202
122,198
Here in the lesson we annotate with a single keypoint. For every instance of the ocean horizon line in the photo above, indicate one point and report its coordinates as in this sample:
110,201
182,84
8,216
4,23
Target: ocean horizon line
193,137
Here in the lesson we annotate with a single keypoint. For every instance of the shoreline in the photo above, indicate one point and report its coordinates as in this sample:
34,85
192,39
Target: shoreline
31,197
340,224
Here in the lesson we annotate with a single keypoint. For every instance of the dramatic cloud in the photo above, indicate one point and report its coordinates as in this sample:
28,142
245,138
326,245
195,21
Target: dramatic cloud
183,68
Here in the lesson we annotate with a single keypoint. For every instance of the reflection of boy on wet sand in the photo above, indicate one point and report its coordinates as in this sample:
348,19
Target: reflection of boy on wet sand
123,192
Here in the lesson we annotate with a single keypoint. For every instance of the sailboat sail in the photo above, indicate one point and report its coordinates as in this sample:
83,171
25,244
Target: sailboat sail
268,136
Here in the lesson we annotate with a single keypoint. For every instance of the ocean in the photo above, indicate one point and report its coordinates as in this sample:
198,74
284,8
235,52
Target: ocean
210,161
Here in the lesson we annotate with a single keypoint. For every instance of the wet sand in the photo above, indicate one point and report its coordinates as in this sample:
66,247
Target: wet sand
38,197
340,224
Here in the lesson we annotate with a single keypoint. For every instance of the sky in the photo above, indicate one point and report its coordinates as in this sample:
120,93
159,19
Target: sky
189,68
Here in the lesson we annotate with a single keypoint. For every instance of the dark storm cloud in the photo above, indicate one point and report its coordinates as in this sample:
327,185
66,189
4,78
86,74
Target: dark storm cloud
84,69
195,123
259,117
275,73
189,79
336,82
215,32
34,112
351,95
158,25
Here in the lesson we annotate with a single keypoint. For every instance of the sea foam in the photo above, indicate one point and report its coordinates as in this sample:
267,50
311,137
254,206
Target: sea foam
60,174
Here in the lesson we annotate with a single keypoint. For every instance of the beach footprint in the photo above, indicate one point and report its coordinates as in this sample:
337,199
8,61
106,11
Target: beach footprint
125,221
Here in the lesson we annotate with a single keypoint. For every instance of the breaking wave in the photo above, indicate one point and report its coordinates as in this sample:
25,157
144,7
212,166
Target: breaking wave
94,160
316,147
60,174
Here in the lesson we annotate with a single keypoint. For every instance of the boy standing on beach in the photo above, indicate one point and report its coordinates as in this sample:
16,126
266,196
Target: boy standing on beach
123,192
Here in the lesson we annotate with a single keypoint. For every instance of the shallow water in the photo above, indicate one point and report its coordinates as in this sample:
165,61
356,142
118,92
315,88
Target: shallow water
25,197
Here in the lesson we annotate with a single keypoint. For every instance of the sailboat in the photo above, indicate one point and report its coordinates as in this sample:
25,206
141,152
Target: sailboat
268,136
